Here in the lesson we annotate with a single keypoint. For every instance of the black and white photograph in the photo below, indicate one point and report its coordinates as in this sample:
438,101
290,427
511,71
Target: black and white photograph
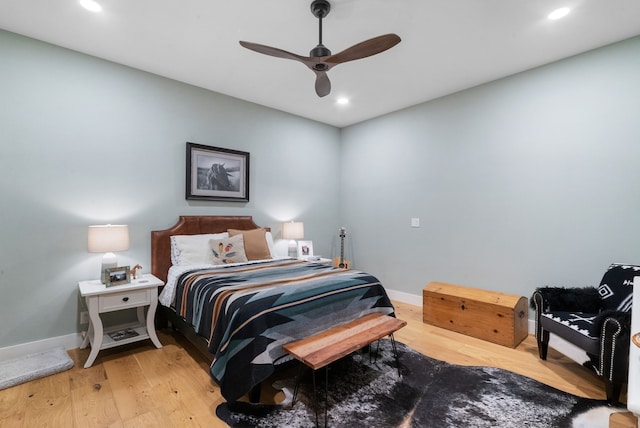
217,174
117,276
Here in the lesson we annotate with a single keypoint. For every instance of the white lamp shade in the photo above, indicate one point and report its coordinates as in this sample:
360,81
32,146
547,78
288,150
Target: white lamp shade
293,230
108,238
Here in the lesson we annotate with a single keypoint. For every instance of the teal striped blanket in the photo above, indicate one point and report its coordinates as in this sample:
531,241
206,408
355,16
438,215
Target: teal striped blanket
247,312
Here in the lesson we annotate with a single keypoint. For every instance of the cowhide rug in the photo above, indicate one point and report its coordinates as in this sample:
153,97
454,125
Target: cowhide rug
429,393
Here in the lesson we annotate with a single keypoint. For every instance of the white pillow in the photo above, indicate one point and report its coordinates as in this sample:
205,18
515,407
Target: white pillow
228,250
270,244
193,249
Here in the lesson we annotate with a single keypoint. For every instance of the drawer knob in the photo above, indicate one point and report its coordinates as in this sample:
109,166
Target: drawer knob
125,299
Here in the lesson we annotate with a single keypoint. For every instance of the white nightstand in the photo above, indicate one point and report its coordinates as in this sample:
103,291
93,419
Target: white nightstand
139,293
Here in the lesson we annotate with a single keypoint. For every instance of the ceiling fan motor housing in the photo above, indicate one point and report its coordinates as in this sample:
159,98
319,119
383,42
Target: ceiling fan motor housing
319,51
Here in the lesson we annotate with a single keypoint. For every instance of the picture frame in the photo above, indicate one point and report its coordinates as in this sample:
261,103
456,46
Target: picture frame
305,249
117,276
216,174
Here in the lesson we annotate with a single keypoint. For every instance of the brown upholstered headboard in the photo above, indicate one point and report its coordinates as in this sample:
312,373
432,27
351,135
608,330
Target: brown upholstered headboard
190,225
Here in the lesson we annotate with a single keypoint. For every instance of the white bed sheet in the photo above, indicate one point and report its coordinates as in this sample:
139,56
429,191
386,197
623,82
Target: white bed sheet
168,292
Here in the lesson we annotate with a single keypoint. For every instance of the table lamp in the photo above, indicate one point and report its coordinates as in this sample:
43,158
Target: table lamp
293,230
107,239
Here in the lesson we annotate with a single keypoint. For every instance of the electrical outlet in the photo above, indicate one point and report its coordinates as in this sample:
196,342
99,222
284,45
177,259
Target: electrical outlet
84,317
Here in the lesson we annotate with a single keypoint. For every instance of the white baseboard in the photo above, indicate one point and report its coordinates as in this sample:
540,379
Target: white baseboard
70,341
557,343
403,297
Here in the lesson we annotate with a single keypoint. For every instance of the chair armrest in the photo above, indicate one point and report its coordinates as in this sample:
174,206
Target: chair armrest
614,329
604,317
585,299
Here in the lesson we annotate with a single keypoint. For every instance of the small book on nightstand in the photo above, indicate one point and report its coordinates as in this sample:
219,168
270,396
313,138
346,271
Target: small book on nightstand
123,334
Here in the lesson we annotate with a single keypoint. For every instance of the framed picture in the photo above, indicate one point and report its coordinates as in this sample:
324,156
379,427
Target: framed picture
117,276
305,248
216,174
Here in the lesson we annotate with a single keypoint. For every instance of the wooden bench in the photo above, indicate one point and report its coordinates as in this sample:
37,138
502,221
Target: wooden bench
330,345
324,348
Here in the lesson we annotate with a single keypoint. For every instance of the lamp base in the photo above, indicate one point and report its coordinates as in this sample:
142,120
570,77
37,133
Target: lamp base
293,249
108,262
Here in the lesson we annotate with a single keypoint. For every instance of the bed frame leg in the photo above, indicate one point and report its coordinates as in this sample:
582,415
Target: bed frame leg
161,321
254,394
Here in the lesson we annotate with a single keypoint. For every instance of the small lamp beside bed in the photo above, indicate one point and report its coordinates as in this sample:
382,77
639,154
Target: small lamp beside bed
107,239
292,231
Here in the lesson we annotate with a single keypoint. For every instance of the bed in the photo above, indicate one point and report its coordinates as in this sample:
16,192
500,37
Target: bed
239,314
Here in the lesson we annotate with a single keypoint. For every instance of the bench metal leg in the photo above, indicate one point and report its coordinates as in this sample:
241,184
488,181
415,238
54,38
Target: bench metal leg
395,352
326,395
297,387
315,397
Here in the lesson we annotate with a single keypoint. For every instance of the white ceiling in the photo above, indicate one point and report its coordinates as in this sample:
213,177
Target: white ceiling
447,45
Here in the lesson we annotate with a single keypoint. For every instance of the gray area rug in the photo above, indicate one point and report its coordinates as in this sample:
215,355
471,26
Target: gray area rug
33,366
430,393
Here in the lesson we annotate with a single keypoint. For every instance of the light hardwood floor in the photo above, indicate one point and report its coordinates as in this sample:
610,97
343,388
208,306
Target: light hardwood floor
141,386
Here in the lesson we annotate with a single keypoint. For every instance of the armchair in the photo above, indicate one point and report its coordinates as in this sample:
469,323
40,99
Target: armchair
597,320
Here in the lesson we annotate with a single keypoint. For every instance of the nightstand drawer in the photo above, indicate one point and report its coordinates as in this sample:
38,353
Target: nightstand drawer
129,299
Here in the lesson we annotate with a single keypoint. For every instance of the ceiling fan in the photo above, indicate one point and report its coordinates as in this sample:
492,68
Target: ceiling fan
320,59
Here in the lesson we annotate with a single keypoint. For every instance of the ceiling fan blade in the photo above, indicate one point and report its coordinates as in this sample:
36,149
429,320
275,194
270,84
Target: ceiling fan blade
364,49
323,85
268,50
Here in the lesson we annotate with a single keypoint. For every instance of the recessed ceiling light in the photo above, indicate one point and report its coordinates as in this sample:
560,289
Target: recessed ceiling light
559,13
342,101
91,5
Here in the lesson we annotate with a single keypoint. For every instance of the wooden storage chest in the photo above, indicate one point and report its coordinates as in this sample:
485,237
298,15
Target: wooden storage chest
493,316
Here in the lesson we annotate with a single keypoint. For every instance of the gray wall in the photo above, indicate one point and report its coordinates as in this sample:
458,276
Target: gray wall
85,141
525,181
522,182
